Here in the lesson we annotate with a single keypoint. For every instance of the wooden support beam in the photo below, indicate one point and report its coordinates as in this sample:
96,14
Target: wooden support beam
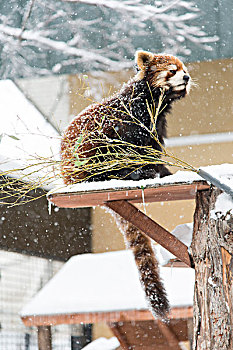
44,338
125,345
170,336
159,234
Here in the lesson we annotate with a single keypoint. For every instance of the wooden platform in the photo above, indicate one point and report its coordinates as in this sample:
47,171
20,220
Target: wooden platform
121,201
158,193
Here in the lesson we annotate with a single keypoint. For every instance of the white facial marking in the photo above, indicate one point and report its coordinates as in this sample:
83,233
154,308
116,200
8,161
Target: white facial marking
162,74
160,81
172,67
179,87
177,78
177,81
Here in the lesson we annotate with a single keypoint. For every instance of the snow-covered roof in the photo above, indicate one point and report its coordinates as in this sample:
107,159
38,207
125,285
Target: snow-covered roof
106,282
25,133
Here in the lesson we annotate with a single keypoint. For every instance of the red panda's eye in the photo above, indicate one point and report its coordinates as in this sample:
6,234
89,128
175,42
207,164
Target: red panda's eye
173,71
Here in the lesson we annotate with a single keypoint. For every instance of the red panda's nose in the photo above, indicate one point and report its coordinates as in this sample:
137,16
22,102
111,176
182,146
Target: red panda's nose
186,78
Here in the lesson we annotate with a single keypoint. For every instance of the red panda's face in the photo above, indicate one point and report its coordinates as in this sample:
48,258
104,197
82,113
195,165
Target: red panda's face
164,71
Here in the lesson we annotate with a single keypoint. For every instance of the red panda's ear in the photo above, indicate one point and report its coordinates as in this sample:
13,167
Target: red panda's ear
143,59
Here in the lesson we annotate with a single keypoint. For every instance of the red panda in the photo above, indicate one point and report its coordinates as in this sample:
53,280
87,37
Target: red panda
126,117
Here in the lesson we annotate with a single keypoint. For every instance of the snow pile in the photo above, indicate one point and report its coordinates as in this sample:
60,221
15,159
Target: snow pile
223,205
184,233
103,344
105,282
25,136
223,171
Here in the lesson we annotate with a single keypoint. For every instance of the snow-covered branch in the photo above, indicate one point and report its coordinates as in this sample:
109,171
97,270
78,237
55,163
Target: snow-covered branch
34,37
138,8
61,36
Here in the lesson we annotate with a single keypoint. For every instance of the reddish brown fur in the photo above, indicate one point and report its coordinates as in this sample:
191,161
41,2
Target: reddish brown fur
87,122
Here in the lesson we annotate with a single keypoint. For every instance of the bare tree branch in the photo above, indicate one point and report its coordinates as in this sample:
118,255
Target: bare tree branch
57,35
27,17
36,38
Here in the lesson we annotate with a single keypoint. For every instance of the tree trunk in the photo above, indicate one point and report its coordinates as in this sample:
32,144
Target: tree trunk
212,252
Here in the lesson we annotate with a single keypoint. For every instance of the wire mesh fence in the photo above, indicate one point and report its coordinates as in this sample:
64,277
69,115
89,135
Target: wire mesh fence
21,277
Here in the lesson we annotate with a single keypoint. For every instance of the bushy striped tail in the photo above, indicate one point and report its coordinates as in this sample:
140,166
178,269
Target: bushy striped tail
147,266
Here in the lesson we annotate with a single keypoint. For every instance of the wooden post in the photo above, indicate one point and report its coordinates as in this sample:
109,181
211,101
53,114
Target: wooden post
212,252
44,338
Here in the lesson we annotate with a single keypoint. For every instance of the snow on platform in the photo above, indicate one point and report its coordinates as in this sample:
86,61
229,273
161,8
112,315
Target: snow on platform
182,185
107,282
222,171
